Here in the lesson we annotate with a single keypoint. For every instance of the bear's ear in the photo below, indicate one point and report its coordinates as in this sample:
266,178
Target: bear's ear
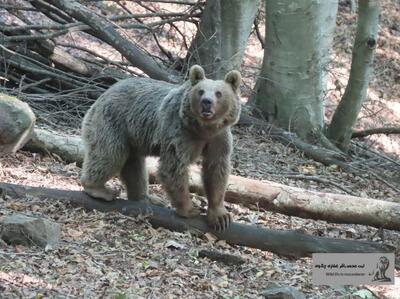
196,74
234,79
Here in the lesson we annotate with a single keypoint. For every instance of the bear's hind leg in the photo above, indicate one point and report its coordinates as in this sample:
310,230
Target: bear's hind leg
100,164
173,174
135,177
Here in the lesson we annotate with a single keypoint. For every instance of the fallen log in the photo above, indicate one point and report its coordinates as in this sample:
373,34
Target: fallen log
256,194
69,148
285,243
386,131
292,201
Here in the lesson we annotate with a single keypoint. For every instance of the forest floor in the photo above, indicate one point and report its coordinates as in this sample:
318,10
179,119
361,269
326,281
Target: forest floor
109,255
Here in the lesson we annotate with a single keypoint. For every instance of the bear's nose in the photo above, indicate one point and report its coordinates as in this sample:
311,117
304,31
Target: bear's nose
206,103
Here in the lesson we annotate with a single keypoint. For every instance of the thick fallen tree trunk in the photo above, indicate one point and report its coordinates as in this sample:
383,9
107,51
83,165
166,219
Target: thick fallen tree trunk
258,194
286,243
302,203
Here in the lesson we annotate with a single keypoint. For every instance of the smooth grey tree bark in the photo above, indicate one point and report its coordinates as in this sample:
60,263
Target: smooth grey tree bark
291,86
222,35
341,128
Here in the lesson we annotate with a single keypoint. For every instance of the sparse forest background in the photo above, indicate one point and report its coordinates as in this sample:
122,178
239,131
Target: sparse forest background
73,62
59,56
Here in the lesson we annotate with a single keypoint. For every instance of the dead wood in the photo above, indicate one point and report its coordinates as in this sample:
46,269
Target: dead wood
285,243
317,153
386,131
69,148
292,201
26,64
16,29
255,194
60,78
105,31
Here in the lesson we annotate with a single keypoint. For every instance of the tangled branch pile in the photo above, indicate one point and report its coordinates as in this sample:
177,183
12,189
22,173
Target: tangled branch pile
60,55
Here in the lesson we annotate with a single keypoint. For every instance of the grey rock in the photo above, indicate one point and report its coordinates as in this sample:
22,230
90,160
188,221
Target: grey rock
282,292
16,123
26,230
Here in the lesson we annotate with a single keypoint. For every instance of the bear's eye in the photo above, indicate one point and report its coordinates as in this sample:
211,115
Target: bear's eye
218,94
201,92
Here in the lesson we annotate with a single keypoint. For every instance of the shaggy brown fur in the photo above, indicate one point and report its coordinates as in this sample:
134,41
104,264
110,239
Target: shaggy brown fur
136,118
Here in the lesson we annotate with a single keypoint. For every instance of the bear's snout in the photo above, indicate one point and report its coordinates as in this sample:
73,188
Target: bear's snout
206,104
207,108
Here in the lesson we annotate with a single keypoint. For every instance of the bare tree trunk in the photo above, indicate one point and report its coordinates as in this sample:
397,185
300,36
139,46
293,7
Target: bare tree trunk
222,36
291,86
341,128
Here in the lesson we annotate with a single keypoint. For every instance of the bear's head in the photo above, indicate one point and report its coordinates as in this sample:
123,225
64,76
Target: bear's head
214,102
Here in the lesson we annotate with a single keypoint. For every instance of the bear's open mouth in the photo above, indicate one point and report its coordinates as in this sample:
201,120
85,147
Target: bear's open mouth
207,114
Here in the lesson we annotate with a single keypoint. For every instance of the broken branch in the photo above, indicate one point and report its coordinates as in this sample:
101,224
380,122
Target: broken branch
105,31
386,131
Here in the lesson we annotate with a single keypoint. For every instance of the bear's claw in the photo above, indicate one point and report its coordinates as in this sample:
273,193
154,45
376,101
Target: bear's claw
219,219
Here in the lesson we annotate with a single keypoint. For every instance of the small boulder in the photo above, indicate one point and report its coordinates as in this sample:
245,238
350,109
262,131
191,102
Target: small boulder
282,292
26,230
16,123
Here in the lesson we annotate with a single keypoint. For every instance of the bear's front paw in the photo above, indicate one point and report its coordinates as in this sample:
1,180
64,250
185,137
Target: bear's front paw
219,218
188,212
103,193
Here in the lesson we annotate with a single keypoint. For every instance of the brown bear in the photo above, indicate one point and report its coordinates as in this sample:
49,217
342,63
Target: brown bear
141,117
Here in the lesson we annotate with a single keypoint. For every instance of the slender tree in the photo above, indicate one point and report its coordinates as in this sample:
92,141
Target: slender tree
345,116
